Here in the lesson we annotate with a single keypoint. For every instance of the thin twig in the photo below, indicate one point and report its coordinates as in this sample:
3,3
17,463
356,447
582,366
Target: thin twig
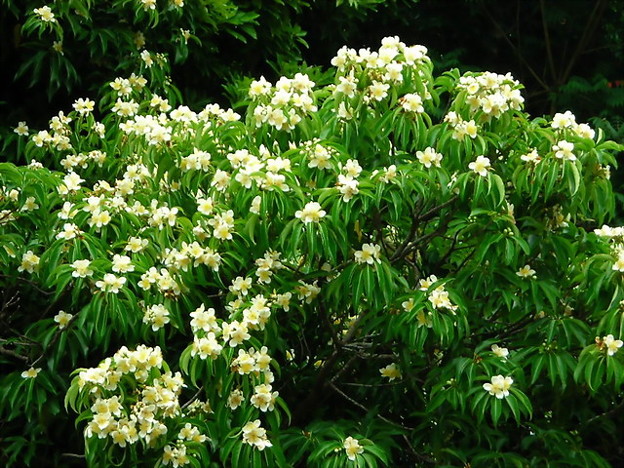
364,408
549,54
193,398
24,280
516,50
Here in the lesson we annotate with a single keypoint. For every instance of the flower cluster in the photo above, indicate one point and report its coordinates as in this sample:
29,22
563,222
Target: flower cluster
255,435
126,421
491,94
284,105
439,299
157,316
379,70
567,121
429,157
461,128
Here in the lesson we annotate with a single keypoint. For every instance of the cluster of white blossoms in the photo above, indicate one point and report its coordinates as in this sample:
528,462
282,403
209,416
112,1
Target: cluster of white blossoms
369,254
429,157
499,386
491,93
384,68
347,181
157,316
30,262
268,265
126,421
352,448
267,172
255,435
82,160
59,138
177,455
284,105
461,128
439,299
615,235
567,121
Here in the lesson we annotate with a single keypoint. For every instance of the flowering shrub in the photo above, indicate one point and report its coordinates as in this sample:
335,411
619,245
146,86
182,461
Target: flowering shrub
391,270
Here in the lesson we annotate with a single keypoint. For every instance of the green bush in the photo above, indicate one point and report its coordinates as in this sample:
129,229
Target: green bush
393,269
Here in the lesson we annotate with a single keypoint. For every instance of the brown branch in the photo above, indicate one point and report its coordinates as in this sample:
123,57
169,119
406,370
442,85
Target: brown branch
418,219
14,354
316,392
607,414
193,398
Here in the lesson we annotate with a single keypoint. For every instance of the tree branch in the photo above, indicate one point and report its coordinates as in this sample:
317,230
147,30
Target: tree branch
14,354
364,408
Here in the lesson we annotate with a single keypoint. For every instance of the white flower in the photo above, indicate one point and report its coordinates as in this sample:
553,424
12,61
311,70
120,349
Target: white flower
563,150
45,14
612,344
480,166
31,373
499,387
526,272
352,447
429,157
21,129
500,352
111,283
531,157
412,103
311,213
378,90
83,106
255,205
391,372
425,284
30,262
369,254
62,318
122,264
72,181
81,269
565,120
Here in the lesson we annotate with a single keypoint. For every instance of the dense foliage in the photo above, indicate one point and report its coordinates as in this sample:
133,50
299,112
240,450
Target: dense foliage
394,269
